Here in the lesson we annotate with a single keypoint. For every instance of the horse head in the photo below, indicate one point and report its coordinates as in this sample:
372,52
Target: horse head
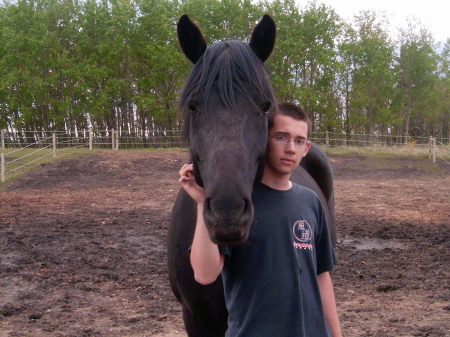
225,101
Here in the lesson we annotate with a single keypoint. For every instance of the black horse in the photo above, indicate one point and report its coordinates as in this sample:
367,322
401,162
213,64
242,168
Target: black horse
225,101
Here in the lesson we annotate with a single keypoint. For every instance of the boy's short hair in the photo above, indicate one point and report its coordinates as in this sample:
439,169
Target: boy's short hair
291,110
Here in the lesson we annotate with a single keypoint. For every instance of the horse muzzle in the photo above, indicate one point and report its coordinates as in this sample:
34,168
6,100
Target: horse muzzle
228,219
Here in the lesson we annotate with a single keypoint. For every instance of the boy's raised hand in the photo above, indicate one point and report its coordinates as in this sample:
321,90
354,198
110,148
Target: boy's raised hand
187,181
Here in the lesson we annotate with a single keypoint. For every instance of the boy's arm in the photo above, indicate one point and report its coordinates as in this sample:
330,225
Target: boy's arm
206,260
329,303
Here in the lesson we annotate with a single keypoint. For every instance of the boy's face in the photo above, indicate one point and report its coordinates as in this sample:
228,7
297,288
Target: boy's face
286,146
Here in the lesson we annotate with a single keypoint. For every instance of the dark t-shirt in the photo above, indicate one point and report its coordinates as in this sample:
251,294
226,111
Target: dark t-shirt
270,281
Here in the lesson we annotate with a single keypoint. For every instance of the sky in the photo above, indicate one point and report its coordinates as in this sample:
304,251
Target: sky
434,14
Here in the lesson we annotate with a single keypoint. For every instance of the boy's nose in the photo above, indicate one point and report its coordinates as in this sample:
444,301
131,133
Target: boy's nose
290,146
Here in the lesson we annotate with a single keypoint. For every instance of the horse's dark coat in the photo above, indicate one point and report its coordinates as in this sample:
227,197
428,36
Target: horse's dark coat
318,167
225,99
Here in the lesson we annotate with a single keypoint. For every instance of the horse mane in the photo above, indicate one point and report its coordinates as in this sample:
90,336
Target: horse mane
228,67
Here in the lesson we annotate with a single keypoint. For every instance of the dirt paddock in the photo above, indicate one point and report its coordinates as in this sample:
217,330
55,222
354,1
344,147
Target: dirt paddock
82,247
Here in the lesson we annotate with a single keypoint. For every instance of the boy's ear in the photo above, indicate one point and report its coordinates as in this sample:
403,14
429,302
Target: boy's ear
307,147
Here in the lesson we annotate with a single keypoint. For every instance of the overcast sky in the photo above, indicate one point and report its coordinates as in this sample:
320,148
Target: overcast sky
434,14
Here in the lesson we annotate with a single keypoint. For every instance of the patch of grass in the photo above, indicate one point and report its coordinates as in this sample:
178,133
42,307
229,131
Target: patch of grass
381,151
392,158
18,162
182,149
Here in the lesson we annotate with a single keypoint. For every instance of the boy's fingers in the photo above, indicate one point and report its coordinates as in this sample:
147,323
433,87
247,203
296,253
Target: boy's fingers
182,169
186,168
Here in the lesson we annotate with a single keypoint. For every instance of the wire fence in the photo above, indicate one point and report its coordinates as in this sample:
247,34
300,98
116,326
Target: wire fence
32,154
22,149
173,139
442,151
100,139
335,139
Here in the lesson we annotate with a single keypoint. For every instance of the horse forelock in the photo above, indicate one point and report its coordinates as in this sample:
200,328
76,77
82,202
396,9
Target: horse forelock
227,67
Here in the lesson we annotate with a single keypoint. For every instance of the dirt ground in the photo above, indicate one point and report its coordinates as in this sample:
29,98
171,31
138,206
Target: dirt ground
82,247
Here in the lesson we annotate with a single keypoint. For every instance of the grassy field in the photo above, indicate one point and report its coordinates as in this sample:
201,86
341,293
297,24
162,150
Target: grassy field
20,161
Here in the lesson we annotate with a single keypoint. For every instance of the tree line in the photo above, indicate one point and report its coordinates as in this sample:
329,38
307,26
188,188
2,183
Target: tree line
74,64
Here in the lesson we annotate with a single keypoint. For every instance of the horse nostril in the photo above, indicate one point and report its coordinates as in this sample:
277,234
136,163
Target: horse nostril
207,205
226,211
227,220
247,214
247,204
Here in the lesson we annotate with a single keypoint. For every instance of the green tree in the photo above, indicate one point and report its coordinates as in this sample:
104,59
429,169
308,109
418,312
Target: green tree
223,19
321,28
347,47
21,35
71,64
444,90
373,81
305,60
60,70
5,113
285,61
159,66
417,81
107,28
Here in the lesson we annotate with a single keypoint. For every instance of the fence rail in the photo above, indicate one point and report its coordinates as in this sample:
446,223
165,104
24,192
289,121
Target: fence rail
38,145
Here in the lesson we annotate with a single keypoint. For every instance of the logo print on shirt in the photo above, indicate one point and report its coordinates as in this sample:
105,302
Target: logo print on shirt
302,235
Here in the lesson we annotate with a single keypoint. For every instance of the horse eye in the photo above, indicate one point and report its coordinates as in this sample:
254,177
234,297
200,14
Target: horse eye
192,108
266,106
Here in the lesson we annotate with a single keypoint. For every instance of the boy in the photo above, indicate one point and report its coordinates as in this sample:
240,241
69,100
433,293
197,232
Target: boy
277,283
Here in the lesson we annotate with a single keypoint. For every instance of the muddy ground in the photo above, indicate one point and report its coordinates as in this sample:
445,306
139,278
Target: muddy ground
82,247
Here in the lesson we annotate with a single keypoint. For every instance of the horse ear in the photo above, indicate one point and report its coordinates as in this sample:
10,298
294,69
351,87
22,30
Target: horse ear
191,38
263,37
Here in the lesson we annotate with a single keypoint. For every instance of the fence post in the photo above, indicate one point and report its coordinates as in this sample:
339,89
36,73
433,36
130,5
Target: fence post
2,167
327,139
54,144
3,138
433,149
430,142
90,138
112,138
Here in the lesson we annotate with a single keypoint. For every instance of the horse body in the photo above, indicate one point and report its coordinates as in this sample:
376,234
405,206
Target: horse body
316,173
204,310
225,100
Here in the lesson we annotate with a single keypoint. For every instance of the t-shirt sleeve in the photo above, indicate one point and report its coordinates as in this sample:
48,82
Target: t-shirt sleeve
325,254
